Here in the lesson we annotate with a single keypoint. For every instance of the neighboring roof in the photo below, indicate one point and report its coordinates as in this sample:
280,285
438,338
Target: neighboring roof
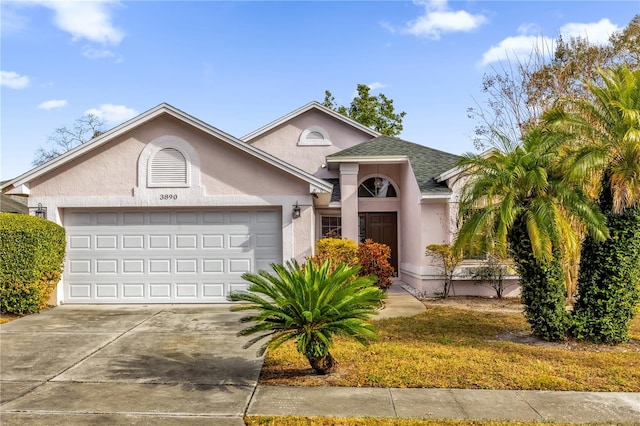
13,204
427,163
311,105
316,184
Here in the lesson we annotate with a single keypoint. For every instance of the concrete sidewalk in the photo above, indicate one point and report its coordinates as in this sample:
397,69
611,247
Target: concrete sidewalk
448,404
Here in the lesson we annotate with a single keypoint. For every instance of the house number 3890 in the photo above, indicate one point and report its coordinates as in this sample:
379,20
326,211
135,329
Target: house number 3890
168,196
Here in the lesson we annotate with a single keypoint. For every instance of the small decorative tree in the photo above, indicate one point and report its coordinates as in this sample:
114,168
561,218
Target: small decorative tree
310,306
449,258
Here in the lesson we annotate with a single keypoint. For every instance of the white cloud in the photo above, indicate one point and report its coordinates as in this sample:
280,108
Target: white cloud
516,48
376,85
93,53
595,32
530,40
113,113
13,80
90,20
438,19
53,103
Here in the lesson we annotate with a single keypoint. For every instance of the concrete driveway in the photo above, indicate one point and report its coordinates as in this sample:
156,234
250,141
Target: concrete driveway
133,364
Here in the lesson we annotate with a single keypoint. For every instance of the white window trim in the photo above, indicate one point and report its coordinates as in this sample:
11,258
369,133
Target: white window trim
304,141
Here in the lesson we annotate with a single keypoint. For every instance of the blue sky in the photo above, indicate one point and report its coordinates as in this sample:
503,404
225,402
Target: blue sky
241,65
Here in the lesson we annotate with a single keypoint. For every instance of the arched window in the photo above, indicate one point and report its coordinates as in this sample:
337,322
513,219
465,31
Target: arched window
377,187
168,168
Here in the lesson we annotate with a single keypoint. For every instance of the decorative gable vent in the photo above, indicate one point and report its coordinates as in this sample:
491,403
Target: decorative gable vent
168,168
314,136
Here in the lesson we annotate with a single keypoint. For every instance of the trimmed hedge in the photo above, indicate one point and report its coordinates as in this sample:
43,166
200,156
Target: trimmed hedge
542,287
337,250
608,293
32,251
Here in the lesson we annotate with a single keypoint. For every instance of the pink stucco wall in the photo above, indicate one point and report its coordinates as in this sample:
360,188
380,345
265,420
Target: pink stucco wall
282,141
111,170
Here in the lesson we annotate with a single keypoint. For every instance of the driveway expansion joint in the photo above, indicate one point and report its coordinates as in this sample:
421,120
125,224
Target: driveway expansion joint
103,346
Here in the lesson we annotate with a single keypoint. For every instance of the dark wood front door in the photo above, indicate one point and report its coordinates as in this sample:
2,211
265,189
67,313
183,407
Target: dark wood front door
381,228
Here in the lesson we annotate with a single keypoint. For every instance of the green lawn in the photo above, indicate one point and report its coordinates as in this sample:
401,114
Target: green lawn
460,348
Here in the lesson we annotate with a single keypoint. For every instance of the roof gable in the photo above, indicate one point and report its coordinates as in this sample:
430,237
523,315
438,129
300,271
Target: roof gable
427,163
316,184
311,105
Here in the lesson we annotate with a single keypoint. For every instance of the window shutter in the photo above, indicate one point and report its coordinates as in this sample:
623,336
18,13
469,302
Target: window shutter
169,167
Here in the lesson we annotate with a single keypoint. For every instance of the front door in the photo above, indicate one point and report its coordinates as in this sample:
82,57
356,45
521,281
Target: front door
381,228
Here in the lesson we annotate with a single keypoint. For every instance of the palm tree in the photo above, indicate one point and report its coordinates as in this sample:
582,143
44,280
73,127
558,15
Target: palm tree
605,132
516,202
310,305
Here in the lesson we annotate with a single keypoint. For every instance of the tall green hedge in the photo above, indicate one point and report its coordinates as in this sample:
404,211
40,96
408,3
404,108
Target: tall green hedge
542,287
608,281
32,252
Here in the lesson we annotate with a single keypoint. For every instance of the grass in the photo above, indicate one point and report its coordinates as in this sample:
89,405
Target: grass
5,317
460,348
339,421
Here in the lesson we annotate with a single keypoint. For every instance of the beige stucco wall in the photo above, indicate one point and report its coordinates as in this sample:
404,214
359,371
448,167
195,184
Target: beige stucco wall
282,141
111,170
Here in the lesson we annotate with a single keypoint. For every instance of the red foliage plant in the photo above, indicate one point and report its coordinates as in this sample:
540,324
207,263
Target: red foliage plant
374,259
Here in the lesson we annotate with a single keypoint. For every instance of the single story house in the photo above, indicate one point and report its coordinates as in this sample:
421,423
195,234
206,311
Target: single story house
166,208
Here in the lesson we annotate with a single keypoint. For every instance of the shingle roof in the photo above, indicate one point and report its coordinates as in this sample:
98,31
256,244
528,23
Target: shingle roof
427,163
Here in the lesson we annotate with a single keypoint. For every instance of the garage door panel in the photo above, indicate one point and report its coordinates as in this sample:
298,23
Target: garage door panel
180,256
132,242
131,291
79,242
106,266
106,242
187,241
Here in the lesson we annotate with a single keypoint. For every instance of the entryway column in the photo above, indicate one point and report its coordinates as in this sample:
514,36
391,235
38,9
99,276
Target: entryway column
349,200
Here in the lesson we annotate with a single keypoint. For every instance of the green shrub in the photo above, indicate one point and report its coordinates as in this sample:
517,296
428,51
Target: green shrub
608,281
372,257
310,306
32,252
337,250
542,287
374,260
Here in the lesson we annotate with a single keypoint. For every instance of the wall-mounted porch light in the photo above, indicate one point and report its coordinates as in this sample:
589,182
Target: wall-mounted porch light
41,211
295,213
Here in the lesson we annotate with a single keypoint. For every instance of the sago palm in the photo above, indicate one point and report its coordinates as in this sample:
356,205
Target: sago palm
309,305
605,135
517,203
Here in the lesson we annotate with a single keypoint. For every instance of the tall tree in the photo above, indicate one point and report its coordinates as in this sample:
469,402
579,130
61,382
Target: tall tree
605,132
519,92
64,139
376,112
517,202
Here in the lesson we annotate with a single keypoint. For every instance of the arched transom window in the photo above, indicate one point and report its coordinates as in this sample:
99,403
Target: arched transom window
377,187
168,168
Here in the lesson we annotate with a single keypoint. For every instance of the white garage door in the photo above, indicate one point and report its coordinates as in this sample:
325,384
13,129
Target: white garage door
166,256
